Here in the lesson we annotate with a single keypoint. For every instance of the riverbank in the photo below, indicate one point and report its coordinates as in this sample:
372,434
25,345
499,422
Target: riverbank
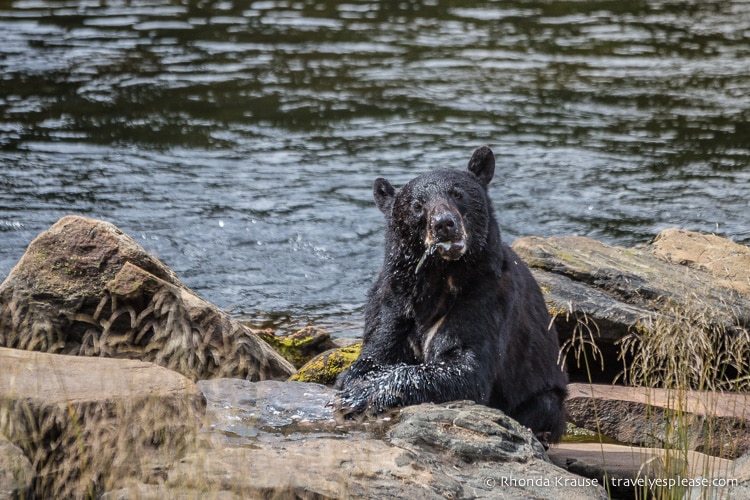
144,389
239,142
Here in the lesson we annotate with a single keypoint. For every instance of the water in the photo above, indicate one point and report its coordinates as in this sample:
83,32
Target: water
238,141
241,413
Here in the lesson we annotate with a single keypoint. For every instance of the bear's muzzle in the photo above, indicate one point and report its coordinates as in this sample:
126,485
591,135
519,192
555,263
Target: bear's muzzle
446,233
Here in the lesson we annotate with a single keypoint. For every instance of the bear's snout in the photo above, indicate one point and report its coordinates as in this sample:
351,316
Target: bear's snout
446,233
444,226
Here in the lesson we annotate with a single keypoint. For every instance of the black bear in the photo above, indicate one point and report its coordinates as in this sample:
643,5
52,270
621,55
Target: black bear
455,313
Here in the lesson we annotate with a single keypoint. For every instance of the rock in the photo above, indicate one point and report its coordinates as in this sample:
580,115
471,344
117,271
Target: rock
467,431
239,410
325,367
599,294
634,276
711,422
280,440
16,473
84,287
626,470
728,262
86,423
734,484
346,341
301,346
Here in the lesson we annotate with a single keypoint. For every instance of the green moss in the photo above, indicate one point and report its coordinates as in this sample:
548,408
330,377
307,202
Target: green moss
40,255
568,257
575,434
72,267
288,348
557,311
324,368
630,253
300,347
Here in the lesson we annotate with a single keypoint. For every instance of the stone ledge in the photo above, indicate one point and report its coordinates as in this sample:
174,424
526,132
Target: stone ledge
712,422
87,423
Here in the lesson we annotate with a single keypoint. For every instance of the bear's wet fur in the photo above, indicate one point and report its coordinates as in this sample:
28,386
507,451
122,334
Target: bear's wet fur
454,313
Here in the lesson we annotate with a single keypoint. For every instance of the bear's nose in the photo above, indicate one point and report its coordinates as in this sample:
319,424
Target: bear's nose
444,226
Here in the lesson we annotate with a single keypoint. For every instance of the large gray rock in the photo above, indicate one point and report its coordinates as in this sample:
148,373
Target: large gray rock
599,293
84,287
280,440
637,277
88,423
16,473
735,483
474,431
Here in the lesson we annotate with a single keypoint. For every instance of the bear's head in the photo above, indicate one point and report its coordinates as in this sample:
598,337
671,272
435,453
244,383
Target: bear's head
446,212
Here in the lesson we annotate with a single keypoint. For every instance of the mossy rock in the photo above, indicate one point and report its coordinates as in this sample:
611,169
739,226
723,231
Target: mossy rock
575,434
325,367
301,346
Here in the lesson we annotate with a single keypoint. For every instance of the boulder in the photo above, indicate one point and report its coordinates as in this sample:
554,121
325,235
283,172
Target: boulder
280,440
301,346
734,484
16,473
87,423
728,262
600,294
83,287
714,423
326,367
466,431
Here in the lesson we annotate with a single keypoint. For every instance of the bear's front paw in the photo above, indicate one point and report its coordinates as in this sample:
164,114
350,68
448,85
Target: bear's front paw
351,403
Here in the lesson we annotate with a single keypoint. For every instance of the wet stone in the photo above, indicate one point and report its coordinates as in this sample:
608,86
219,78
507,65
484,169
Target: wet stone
240,410
280,439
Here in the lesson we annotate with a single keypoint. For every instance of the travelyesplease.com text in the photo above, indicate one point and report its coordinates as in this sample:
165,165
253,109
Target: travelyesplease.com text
618,482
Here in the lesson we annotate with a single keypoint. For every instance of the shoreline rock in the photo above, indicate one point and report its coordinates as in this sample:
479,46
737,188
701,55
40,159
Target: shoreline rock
605,293
83,287
723,259
710,422
16,472
626,469
301,346
264,442
326,366
87,423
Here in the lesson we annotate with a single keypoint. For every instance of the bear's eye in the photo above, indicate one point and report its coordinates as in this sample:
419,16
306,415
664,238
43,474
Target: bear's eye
417,207
456,194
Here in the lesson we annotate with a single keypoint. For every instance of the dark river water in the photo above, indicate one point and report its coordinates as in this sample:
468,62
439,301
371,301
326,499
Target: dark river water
238,140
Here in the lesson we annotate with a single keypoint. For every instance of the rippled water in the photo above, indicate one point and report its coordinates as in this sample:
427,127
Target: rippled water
238,140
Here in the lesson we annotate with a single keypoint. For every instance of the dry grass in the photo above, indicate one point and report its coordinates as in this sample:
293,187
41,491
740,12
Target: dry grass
687,346
80,450
140,316
581,342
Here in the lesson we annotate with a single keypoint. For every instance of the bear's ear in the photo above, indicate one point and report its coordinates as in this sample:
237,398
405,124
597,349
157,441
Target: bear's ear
482,164
384,193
